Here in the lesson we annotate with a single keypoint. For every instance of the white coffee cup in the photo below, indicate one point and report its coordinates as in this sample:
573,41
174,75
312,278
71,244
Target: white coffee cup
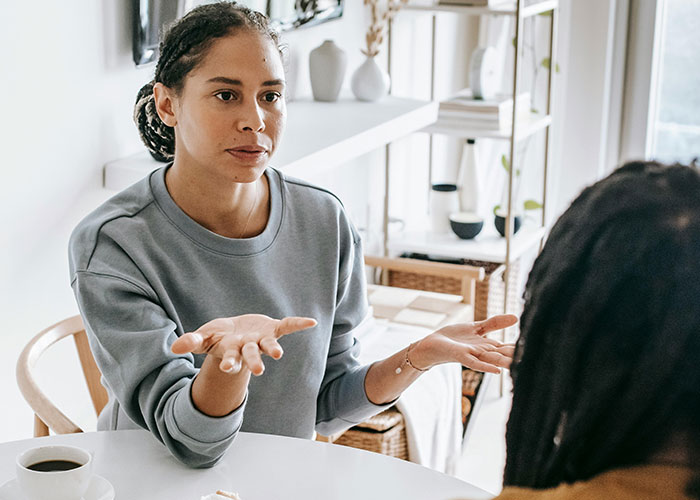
54,484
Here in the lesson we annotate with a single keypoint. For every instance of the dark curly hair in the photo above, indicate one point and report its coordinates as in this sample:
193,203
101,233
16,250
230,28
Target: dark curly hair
608,362
182,48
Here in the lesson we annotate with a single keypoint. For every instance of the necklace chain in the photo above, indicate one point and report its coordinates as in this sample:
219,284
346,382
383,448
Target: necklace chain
250,212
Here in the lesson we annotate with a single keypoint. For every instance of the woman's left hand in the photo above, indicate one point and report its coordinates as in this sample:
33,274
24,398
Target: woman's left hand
467,344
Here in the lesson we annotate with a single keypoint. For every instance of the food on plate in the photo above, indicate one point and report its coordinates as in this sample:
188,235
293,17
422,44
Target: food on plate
221,495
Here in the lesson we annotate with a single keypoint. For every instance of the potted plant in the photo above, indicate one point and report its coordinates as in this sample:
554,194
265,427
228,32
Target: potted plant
500,213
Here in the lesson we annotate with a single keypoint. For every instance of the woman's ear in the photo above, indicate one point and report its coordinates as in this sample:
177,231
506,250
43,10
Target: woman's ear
165,104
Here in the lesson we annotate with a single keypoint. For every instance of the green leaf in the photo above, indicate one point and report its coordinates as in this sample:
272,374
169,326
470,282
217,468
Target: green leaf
504,162
546,63
532,205
546,14
496,209
556,67
535,110
513,42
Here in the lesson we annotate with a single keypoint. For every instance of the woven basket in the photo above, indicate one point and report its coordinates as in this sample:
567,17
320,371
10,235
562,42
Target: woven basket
489,292
384,433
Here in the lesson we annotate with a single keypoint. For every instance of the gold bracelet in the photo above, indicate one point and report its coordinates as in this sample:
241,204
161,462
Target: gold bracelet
407,361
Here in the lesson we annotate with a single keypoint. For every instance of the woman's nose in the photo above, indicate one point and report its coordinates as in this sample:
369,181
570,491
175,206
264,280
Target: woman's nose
251,119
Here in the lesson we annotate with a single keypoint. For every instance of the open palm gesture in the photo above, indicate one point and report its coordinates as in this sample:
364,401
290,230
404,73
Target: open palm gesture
467,344
240,341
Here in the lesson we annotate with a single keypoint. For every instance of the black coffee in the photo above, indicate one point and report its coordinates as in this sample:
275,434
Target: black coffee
54,465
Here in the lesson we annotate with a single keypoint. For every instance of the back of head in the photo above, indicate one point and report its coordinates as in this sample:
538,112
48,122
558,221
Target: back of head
182,48
608,362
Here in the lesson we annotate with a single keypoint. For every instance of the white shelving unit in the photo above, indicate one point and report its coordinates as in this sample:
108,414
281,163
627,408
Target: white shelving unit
505,9
526,128
489,246
318,135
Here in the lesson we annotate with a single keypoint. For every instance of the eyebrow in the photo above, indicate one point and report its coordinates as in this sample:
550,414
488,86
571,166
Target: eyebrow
231,81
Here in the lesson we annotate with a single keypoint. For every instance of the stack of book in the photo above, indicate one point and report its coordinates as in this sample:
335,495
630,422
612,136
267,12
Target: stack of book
463,111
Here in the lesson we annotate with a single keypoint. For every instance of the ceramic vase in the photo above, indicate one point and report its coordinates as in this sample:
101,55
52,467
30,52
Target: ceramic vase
369,81
327,64
468,181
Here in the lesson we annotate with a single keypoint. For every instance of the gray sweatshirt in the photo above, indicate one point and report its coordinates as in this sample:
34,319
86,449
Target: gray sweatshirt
144,273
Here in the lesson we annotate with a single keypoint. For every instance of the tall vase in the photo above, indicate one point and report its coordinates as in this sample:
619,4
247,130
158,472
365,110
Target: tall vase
327,64
369,81
468,181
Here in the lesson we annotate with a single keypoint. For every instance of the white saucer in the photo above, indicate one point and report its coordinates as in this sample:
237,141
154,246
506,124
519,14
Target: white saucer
99,489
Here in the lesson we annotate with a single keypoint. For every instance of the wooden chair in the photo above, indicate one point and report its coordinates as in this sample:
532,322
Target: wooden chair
46,414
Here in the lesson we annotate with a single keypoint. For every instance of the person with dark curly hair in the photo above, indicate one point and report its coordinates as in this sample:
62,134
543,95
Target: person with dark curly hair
606,373
178,277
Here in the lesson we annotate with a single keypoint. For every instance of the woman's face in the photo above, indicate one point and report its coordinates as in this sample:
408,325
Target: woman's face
231,112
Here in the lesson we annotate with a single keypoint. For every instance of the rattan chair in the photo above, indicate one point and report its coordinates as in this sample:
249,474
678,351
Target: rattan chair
46,414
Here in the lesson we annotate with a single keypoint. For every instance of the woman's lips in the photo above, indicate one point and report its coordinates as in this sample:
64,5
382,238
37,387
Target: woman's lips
248,154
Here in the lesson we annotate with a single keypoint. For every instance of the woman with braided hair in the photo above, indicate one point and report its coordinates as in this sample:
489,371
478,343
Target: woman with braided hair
606,373
178,277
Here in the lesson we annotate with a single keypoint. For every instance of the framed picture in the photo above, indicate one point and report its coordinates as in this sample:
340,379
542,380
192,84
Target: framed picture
149,17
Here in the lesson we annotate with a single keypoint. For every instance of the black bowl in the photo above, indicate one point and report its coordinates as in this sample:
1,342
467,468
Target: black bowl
500,223
466,225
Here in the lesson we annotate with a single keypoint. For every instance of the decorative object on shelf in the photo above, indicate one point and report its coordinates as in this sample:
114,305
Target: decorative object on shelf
483,72
369,81
496,113
327,65
443,202
467,178
500,222
466,225
500,213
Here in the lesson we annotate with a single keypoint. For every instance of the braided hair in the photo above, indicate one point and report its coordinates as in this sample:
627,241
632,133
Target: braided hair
608,361
182,48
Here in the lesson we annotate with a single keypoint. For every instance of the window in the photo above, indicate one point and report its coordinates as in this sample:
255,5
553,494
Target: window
675,134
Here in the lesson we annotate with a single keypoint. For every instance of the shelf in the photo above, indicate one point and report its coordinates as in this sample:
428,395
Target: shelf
524,129
506,9
488,246
318,135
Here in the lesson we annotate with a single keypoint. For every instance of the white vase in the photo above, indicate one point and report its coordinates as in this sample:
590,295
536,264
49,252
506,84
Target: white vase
467,179
369,81
327,64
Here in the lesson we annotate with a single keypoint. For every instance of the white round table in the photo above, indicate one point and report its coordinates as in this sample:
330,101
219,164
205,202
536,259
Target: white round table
257,466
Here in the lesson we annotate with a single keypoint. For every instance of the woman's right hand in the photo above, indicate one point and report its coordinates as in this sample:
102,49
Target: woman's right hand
240,341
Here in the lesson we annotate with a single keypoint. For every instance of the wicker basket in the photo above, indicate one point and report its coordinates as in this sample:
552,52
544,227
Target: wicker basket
489,292
384,433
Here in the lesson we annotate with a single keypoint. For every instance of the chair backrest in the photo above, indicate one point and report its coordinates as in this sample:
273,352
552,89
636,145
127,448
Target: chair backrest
46,414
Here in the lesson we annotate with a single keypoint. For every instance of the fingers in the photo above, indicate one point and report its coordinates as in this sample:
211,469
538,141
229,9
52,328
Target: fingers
271,347
193,342
252,358
496,359
471,361
495,323
293,324
231,361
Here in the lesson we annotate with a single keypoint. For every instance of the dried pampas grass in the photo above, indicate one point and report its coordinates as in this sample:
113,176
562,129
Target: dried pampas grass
380,20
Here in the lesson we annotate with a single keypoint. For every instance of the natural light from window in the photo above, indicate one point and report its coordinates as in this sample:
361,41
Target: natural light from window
676,127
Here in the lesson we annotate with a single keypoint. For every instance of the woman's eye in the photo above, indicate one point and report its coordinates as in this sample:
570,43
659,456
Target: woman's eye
272,96
225,95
